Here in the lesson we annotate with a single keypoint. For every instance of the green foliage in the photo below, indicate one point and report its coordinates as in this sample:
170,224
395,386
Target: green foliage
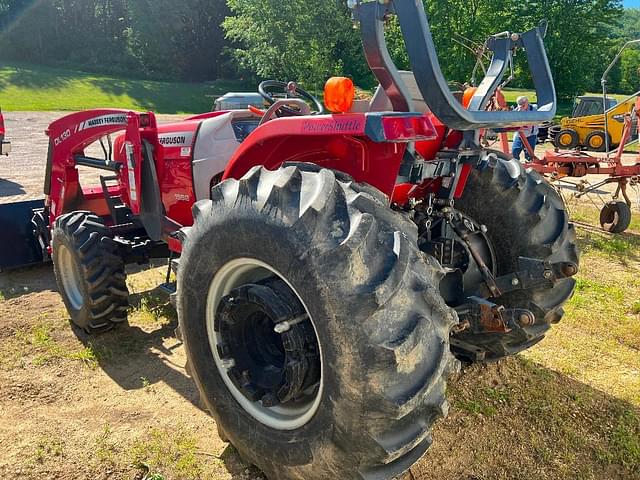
156,38
300,40
306,40
271,36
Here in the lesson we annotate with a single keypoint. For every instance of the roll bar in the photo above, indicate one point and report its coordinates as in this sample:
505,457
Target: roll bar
428,74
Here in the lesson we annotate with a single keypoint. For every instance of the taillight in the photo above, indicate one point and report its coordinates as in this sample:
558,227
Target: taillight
408,128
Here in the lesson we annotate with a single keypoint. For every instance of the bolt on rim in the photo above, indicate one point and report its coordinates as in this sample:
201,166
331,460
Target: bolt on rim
262,350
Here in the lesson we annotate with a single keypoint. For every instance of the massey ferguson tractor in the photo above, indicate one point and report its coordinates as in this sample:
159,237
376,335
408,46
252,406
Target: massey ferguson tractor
5,145
331,268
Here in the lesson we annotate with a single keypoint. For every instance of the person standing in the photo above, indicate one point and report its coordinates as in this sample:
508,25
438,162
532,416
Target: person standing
531,132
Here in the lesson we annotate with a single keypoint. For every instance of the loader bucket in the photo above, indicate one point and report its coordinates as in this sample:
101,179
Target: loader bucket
18,245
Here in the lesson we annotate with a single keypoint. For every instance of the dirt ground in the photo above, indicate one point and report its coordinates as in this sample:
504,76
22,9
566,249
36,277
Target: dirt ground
121,406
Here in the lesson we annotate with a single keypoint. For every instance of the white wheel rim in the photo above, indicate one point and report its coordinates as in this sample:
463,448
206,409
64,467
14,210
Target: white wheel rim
232,275
70,277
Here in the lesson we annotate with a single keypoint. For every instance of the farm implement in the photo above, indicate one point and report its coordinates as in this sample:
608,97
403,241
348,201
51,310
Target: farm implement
331,269
17,231
615,215
558,165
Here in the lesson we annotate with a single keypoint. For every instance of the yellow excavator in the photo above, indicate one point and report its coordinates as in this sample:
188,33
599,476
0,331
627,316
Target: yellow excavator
593,116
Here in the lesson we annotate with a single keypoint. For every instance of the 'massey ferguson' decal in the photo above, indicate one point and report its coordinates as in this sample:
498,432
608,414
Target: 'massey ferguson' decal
180,139
346,125
103,121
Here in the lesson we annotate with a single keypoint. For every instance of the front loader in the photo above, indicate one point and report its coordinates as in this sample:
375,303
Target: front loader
19,246
331,269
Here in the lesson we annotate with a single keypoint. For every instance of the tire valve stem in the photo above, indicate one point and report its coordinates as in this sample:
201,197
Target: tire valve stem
269,400
285,326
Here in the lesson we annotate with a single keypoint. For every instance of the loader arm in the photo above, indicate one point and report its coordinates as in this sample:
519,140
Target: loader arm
430,79
71,135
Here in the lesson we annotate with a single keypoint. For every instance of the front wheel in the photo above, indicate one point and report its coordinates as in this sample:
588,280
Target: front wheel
89,273
567,139
313,326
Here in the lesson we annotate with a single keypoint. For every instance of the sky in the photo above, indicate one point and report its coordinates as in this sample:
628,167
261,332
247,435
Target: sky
632,3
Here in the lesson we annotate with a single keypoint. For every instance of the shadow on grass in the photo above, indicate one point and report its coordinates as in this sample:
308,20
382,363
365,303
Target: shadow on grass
159,96
551,425
34,78
24,281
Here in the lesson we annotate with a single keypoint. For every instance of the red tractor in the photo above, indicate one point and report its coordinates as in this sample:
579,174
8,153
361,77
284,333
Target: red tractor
330,267
5,145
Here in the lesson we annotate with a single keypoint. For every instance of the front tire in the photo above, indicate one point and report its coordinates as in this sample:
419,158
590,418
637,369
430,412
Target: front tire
343,261
525,217
567,139
89,273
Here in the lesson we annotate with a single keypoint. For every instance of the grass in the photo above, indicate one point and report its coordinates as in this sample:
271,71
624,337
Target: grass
598,341
36,88
40,345
47,448
167,454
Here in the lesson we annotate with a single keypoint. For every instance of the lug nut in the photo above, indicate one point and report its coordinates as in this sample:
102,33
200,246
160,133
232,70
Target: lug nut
269,400
228,363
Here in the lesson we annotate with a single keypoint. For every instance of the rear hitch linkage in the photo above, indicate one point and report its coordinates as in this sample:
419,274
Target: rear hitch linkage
532,273
483,316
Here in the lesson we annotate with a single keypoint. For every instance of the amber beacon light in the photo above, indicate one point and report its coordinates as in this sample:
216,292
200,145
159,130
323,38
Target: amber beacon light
339,94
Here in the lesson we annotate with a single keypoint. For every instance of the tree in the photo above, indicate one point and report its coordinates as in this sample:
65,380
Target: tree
301,40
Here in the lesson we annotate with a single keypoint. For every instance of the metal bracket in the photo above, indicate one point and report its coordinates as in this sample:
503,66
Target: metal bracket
482,316
534,273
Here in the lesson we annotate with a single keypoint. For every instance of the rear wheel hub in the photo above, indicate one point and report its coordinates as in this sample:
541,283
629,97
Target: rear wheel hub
264,344
268,343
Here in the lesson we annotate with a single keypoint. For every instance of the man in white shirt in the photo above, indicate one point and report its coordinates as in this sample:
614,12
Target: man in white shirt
531,132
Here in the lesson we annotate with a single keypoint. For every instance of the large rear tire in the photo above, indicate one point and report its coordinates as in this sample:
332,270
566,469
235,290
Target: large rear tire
374,327
525,217
89,273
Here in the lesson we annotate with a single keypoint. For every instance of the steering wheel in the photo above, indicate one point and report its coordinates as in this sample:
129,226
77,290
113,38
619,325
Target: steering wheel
269,88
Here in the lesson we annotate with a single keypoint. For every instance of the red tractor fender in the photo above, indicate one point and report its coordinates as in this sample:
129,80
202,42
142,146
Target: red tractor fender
339,142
